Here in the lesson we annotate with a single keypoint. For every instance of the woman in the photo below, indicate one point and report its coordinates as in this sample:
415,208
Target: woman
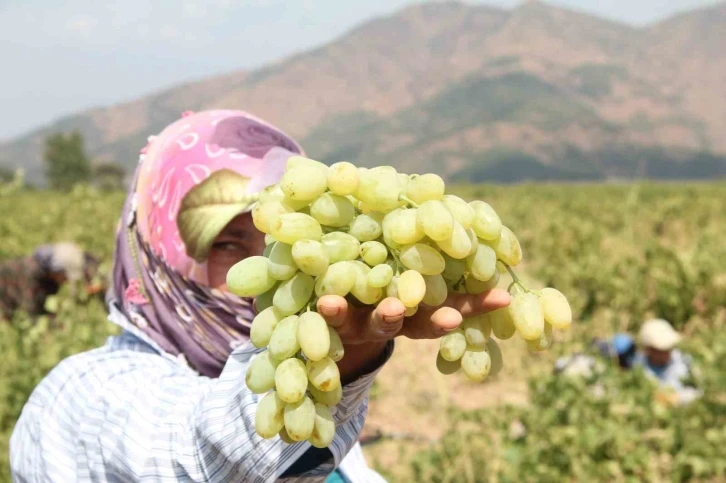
166,400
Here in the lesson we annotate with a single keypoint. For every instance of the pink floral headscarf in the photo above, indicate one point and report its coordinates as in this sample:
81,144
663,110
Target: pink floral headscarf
162,288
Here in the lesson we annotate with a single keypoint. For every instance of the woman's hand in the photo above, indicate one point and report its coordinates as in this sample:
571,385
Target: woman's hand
365,330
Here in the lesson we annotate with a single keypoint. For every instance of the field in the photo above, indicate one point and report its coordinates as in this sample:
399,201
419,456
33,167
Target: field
620,252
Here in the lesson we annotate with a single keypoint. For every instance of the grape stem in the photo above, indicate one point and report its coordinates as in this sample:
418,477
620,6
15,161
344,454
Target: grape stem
517,283
408,200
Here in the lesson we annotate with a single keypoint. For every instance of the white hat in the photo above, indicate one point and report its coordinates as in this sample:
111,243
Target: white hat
68,258
658,334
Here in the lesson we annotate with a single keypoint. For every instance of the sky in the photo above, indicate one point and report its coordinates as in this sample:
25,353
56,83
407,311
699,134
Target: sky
61,56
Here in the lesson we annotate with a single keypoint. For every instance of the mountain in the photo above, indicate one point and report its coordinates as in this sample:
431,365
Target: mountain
469,91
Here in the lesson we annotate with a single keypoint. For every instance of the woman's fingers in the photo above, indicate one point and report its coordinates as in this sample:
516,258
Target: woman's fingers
334,309
386,321
471,304
430,323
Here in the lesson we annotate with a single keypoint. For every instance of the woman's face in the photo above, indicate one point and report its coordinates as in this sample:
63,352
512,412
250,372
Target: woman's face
239,240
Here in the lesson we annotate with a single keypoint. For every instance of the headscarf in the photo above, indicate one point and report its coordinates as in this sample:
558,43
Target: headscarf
160,272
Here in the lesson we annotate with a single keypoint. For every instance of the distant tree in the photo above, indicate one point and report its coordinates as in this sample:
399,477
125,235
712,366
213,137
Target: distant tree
6,174
109,176
66,161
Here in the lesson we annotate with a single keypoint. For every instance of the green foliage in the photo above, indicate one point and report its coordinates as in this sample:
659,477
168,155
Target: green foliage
66,161
109,176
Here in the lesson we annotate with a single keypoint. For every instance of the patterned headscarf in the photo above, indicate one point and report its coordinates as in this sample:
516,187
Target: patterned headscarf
221,159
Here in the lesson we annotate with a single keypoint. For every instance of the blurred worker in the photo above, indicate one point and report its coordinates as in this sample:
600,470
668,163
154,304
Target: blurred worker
26,282
621,348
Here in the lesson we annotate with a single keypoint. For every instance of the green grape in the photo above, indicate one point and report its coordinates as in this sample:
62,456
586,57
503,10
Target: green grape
435,220
260,376
304,183
338,279
269,240
267,250
474,241
343,178
477,286
291,227
476,363
453,345
299,418
410,311
337,351
361,290
292,295
544,341
422,258
332,210
425,188
459,209
495,354
250,277
458,245
324,430
404,226
380,276
502,325
283,342
392,287
313,336
526,312
291,380
329,398
411,288
324,374
436,290
486,223
556,309
310,256
263,325
340,246
373,253
275,193
476,330
269,416
387,230
379,190
264,215
454,269
447,367
365,227
295,161
285,437
264,301
281,264
507,247
483,264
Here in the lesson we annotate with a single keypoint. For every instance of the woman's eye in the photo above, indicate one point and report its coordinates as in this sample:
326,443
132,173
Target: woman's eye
228,247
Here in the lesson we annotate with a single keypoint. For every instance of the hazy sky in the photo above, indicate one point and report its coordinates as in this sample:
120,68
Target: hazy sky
57,57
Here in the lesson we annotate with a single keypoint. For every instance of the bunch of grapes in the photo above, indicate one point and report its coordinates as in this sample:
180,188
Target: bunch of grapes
367,234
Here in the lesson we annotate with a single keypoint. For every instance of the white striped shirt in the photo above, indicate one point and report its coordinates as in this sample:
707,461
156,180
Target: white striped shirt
129,412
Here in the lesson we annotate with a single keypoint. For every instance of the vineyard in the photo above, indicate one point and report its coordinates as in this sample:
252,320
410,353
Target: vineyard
621,253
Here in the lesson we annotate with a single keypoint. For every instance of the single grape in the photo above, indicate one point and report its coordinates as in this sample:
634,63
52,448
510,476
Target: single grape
495,355
502,325
281,264
269,416
338,279
373,253
299,418
337,351
458,245
483,264
365,227
453,269
264,215
295,161
486,223
556,309
475,286
340,246
459,209
286,437
250,277
526,312
283,342
507,247
291,227
260,376
422,258
410,311
453,345
304,183
313,336
343,178
324,374
476,330
404,226
291,380
310,257
436,290
324,429
329,398
435,220
411,288
263,325
292,295
380,276
264,300
447,367
544,341
379,190
332,210
425,188
361,290
476,363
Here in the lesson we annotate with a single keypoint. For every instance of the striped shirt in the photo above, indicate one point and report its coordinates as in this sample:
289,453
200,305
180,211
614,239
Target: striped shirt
130,412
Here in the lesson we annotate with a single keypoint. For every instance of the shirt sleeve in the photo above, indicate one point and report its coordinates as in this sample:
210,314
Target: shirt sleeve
131,416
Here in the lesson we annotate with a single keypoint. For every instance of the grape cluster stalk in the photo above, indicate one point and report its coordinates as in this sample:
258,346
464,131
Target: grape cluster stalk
367,234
